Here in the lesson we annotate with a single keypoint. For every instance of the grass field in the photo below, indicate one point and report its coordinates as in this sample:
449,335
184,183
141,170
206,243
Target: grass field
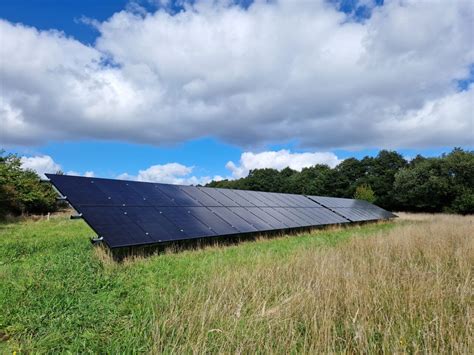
403,286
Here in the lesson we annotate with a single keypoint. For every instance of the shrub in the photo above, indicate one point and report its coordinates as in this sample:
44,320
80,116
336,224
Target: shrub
464,203
365,192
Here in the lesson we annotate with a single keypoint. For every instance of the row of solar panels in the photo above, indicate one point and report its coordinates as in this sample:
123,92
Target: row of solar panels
128,213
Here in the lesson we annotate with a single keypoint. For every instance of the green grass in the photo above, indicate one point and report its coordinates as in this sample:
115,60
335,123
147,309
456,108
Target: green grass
57,293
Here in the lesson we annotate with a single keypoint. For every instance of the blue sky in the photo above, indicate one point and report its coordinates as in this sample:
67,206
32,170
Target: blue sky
109,149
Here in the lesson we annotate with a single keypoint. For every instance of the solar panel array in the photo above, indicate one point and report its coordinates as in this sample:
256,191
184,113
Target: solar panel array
353,210
128,213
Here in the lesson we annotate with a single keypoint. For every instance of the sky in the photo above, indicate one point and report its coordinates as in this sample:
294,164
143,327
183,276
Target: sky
189,91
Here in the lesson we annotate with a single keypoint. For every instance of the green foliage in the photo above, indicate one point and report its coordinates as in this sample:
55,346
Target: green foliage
347,175
438,184
365,192
380,175
264,180
464,203
424,187
315,180
21,191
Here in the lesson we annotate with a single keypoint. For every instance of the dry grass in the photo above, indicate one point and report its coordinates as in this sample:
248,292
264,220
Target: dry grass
407,289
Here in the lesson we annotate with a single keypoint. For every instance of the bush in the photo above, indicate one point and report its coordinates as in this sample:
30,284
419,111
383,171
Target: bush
365,192
464,203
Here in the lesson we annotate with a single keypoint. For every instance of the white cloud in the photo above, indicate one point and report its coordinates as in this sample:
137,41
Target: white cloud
447,114
75,173
171,173
279,160
279,71
175,173
40,164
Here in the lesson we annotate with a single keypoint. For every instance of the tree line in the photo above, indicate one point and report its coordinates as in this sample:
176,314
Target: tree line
440,184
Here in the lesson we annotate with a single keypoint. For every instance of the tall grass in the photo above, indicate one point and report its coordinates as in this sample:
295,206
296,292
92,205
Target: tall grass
403,286
408,289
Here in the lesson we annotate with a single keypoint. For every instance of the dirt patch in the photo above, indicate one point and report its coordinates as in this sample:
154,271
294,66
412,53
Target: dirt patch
4,336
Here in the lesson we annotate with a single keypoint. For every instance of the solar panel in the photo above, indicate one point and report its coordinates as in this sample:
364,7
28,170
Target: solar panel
280,214
354,210
263,214
211,219
218,196
240,224
251,197
129,213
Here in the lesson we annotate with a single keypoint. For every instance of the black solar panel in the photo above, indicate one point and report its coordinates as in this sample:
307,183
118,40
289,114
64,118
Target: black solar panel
354,210
128,213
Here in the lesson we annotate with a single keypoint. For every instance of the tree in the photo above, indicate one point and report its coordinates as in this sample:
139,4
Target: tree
418,159
287,180
380,175
264,180
21,190
364,192
438,184
460,169
424,187
315,180
347,177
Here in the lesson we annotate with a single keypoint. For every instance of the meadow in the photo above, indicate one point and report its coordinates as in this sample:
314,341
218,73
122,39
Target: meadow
397,286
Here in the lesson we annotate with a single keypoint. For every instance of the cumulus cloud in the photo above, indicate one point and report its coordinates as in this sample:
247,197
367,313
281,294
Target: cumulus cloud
279,160
42,164
171,173
175,173
276,71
